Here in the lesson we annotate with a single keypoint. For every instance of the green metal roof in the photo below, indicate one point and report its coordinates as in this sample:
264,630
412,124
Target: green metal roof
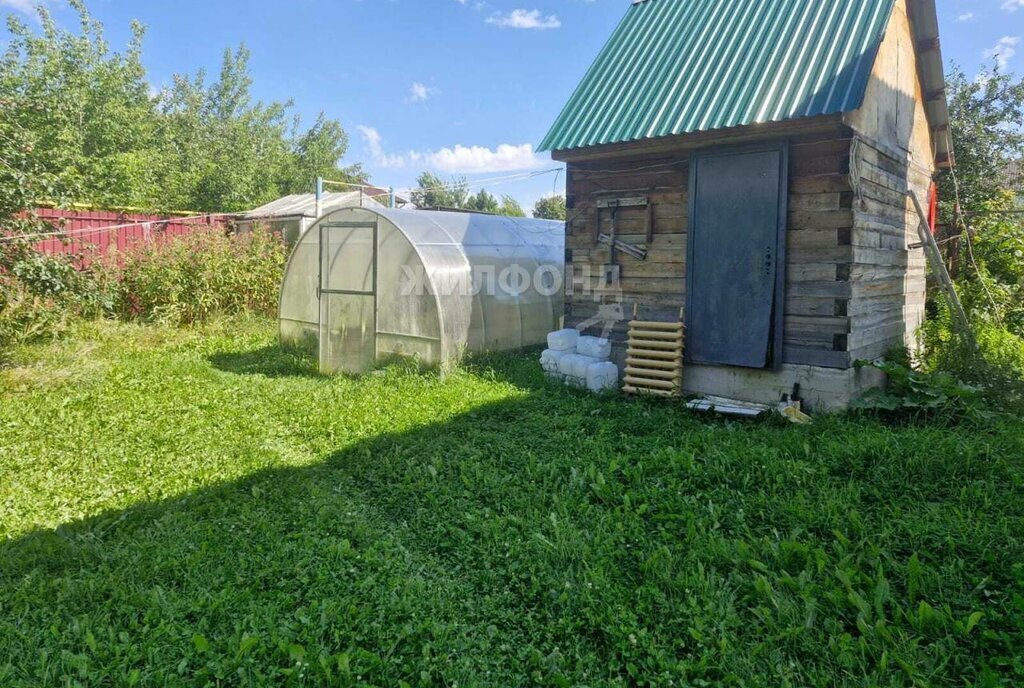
682,66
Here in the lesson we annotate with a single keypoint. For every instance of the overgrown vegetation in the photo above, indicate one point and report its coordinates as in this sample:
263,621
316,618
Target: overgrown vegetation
199,276
190,507
986,115
41,295
918,395
183,280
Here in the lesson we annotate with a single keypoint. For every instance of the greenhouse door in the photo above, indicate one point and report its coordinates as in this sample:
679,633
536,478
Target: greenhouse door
348,301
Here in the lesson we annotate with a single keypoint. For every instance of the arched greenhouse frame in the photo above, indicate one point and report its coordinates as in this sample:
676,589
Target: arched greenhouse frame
365,284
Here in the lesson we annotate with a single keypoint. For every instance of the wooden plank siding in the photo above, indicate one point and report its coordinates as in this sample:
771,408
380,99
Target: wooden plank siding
855,281
820,250
893,155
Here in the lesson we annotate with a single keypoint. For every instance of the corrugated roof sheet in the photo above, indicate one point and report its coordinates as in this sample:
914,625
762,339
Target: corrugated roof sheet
682,66
304,205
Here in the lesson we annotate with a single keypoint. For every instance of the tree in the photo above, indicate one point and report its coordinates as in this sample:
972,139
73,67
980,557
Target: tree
229,153
434,192
510,207
483,202
985,122
550,208
85,112
317,154
80,122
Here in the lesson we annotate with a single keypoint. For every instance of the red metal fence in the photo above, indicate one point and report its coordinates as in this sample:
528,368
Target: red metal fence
100,232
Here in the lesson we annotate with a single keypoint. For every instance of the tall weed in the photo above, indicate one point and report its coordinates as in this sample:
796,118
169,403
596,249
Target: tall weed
182,281
41,294
206,273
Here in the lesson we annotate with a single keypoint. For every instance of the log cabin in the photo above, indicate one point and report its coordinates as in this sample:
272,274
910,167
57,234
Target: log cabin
747,163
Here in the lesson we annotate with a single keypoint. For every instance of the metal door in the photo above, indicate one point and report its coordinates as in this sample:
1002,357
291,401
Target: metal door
736,257
348,301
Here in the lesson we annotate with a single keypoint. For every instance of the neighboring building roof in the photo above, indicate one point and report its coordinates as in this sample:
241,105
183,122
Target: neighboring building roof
682,66
304,205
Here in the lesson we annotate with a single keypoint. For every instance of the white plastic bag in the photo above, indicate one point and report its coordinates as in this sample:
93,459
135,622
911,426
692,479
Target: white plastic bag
595,347
602,375
563,340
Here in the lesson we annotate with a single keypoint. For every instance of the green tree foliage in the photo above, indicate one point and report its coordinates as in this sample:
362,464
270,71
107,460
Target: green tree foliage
85,114
81,122
986,113
484,202
988,138
435,192
510,207
550,208
319,149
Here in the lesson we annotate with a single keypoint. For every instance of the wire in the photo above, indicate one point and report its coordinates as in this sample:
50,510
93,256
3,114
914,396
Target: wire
102,230
108,228
480,182
586,170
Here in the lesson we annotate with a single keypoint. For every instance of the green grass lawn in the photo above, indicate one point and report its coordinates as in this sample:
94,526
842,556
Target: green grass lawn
196,507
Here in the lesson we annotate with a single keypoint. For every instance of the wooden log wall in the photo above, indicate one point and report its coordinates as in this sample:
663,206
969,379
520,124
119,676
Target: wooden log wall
822,276
890,266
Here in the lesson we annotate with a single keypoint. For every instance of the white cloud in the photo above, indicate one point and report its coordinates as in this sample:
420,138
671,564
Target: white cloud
477,159
457,159
1003,51
524,19
1012,5
966,16
419,93
375,143
24,6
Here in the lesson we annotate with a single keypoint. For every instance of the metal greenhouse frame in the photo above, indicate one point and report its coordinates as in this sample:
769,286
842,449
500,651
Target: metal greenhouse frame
366,284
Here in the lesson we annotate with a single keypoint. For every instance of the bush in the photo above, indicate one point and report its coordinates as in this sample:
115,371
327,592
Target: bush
40,294
25,316
918,395
192,278
185,280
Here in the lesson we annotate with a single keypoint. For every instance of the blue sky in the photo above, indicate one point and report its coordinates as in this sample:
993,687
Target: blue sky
463,87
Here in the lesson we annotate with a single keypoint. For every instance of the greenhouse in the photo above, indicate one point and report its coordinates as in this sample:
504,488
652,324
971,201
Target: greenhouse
366,284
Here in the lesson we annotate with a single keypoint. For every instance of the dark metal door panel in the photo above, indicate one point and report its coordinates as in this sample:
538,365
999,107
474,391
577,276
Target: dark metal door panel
735,258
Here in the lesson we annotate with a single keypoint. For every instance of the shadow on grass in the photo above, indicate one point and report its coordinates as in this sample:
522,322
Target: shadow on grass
535,541
358,563
518,368
269,361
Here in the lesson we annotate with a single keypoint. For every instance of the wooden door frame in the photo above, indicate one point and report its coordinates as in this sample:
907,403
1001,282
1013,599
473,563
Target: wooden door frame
778,316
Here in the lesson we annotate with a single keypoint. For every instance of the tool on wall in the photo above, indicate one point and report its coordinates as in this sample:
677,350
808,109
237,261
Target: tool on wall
610,239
